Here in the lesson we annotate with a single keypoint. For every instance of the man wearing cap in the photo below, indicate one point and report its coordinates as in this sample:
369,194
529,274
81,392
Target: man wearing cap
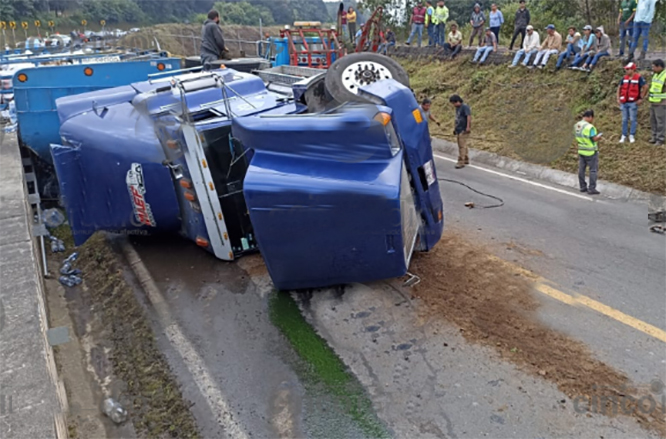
550,46
477,19
489,45
658,103
630,94
520,23
589,46
530,47
588,152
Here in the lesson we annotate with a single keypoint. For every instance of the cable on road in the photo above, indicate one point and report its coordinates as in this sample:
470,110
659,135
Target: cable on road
478,192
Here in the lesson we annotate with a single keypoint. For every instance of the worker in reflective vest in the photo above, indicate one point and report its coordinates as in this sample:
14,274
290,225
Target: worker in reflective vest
630,94
429,24
418,22
588,152
439,18
658,103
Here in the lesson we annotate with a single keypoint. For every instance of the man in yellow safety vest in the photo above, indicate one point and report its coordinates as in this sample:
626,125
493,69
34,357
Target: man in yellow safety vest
439,18
429,24
588,152
657,99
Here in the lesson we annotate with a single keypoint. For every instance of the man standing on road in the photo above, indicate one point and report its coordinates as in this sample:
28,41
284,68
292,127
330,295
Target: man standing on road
212,41
520,24
418,21
625,20
477,19
630,94
588,152
425,110
642,22
551,46
440,17
463,128
658,103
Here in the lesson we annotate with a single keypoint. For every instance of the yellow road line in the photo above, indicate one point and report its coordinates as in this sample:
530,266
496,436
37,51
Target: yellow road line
579,300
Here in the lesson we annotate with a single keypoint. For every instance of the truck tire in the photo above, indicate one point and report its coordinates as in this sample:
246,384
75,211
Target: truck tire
351,72
246,65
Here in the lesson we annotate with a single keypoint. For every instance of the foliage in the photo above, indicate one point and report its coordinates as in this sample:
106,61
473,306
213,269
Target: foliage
243,13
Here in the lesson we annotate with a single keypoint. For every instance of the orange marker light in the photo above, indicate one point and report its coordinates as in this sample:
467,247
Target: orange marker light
22,77
172,144
210,185
189,196
204,164
88,71
384,118
417,116
160,66
185,183
219,216
201,242
226,237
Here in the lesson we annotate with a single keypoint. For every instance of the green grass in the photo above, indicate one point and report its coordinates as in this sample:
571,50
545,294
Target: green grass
529,115
324,365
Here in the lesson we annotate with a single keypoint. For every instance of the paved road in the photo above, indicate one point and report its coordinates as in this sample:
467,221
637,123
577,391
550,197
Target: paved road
423,378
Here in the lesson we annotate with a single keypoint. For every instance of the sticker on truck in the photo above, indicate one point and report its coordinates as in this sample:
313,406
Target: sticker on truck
137,192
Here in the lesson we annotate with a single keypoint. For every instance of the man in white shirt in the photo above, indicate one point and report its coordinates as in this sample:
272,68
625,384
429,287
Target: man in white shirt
531,46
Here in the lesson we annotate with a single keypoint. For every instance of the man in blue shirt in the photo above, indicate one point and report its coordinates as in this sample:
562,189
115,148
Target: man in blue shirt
642,22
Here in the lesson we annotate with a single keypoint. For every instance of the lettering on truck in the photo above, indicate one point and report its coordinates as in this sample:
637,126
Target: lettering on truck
137,192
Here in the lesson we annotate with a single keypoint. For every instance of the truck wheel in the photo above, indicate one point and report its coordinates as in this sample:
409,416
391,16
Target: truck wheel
351,72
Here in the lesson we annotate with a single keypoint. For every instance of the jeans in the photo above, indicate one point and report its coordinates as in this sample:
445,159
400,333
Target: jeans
571,51
596,58
578,58
416,28
583,162
351,27
522,52
640,29
453,51
625,31
383,48
440,34
431,29
629,113
658,122
496,30
482,52
545,54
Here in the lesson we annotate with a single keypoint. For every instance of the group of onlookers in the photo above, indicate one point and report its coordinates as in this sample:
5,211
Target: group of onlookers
582,51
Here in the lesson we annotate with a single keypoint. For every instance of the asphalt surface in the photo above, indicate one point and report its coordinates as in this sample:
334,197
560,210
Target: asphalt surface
423,378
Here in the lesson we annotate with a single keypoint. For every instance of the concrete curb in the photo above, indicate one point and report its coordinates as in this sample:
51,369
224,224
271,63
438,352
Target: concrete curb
538,172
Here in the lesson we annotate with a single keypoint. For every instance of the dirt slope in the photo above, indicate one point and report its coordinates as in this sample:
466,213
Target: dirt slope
529,115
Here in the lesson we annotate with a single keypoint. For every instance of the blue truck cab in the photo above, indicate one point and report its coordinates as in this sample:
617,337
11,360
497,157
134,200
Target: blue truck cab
339,195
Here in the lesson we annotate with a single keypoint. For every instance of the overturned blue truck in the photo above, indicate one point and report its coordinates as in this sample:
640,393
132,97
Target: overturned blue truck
329,174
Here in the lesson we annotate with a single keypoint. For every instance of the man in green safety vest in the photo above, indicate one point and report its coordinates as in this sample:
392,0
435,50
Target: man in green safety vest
588,152
439,18
657,99
429,24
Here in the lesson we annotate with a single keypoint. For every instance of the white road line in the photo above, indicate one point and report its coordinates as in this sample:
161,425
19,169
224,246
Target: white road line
513,177
195,364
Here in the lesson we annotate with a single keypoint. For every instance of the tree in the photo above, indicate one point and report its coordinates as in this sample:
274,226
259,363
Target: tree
243,13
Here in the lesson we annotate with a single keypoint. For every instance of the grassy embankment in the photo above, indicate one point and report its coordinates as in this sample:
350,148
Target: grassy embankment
529,115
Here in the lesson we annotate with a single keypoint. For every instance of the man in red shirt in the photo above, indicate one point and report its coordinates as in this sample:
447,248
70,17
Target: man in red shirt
630,94
418,22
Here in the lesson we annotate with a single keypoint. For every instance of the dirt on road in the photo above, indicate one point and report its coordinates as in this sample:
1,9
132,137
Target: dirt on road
494,305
